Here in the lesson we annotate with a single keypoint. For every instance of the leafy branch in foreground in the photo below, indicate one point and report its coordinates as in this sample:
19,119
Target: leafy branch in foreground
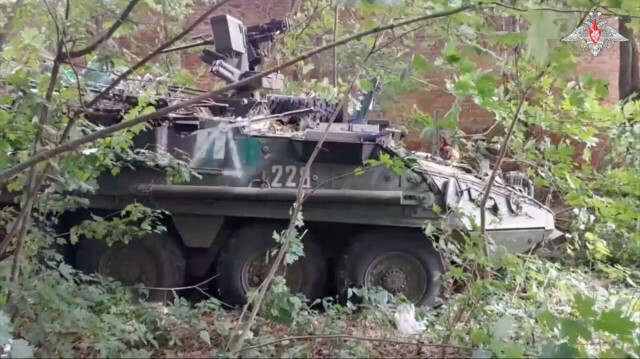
35,184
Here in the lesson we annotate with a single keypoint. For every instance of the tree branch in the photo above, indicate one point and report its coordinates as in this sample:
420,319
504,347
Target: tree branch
335,54
87,50
503,151
156,52
29,191
68,146
566,11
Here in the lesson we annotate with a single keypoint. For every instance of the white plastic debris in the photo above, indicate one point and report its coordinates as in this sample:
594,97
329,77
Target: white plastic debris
89,151
405,319
6,349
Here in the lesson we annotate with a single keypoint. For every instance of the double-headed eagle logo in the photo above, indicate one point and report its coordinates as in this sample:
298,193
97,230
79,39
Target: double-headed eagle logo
595,34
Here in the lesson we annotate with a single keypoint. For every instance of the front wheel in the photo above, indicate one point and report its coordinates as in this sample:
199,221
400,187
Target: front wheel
401,261
153,261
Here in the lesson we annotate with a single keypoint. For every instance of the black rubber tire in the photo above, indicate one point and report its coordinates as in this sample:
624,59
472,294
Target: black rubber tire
168,256
323,108
249,240
368,245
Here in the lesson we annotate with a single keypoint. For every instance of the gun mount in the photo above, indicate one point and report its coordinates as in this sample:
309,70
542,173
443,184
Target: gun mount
237,51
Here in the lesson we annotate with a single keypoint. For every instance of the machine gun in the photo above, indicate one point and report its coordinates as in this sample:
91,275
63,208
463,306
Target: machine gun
237,51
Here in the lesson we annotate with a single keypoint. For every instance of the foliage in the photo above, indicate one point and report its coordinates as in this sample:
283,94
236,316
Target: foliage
282,306
586,305
134,221
62,312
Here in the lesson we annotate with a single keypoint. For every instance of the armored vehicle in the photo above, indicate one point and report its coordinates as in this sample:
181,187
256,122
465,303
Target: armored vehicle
363,225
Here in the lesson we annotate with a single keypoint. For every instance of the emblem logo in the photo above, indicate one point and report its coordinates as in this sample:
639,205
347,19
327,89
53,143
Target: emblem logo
595,34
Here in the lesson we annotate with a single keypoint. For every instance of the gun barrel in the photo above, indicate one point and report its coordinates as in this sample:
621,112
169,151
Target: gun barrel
225,71
189,46
265,32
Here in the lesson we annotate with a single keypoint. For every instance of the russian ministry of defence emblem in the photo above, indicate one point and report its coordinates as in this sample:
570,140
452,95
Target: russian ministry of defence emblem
595,34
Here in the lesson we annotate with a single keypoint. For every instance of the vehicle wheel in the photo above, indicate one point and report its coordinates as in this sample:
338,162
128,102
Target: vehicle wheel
402,261
242,265
154,261
323,109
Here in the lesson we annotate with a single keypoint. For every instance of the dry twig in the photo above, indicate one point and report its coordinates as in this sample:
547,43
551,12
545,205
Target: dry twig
352,337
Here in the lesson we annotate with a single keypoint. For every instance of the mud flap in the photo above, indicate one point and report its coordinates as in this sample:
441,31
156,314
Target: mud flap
197,231
452,198
452,194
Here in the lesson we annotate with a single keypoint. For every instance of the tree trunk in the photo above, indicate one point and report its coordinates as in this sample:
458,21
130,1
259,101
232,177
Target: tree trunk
629,73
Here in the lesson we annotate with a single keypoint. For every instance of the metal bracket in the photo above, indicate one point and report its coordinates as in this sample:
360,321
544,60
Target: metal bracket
418,211
417,199
419,204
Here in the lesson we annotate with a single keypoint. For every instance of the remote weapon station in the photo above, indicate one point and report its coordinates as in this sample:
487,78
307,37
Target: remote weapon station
362,227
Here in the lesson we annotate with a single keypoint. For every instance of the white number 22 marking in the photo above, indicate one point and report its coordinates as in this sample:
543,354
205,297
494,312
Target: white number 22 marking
290,172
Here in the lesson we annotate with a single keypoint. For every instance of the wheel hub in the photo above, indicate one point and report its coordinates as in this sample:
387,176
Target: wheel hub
398,273
394,281
255,270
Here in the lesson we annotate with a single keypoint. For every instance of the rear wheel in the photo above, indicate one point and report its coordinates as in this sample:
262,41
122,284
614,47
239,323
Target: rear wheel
401,261
153,261
245,261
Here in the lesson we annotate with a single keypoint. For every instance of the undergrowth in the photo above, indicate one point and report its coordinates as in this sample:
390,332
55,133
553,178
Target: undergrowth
529,308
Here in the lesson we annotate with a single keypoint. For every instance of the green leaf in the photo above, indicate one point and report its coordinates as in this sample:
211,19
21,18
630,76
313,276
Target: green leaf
429,229
479,336
584,306
422,64
450,120
503,328
451,55
614,353
486,85
613,321
548,319
576,99
366,85
563,60
510,38
204,335
407,71
575,329
373,7
562,350
514,351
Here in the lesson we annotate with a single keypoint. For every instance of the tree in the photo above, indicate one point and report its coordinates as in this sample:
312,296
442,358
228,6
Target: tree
629,74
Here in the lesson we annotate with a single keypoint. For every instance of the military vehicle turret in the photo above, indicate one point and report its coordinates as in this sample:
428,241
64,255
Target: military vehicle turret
250,151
